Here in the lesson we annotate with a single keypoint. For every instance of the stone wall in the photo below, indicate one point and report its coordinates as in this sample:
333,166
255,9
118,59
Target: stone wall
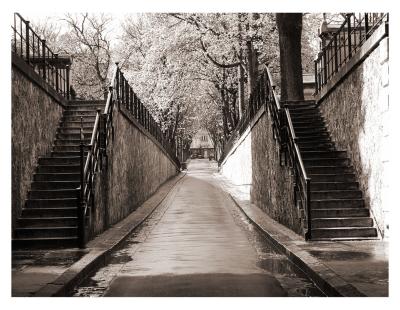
272,185
254,160
137,166
356,112
34,119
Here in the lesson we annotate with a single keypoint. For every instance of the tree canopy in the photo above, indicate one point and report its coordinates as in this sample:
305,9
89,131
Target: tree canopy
192,70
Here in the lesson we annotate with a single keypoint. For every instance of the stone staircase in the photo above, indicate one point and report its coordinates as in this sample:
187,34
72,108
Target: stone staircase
49,217
337,204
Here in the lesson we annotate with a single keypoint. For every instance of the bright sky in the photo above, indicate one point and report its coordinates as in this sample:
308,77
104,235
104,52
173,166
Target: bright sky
115,26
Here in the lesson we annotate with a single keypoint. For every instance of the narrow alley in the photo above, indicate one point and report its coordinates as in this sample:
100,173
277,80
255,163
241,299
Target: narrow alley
197,243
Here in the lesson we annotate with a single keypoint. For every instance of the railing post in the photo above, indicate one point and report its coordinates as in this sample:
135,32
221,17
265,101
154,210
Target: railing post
81,204
348,16
336,51
67,68
117,86
27,48
366,25
135,105
131,100
325,66
44,58
56,57
308,206
316,75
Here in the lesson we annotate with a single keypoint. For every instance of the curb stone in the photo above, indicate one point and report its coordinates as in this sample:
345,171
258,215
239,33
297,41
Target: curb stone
102,246
324,277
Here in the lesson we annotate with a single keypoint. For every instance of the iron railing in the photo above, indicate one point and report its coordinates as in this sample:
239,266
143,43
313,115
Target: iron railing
344,43
52,68
283,132
119,93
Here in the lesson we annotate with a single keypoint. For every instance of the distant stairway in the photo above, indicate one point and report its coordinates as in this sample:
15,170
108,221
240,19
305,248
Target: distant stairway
337,204
49,217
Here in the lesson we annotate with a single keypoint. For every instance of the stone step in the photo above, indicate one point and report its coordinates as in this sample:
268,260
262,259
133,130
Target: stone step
44,243
310,124
329,169
58,168
67,154
49,212
55,185
323,154
56,177
303,112
332,177
336,203
44,232
38,222
339,212
342,222
311,131
67,148
59,160
307,118
52,193
300,105
74,136
85,107
336,194
313,134
319,148
70,141
324,186
86,125
307,127
77,118
86,102
307,145
75,130
316,139
46,203
343,232
317,162
79,113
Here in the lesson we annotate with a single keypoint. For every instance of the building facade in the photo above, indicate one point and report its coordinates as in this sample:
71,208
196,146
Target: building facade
202,145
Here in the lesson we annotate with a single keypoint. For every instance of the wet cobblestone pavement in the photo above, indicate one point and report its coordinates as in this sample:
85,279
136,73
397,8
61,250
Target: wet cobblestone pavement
213,250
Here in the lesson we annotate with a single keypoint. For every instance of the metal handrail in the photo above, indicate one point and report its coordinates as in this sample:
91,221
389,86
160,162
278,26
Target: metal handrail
343,44
52,68
264,95
121,93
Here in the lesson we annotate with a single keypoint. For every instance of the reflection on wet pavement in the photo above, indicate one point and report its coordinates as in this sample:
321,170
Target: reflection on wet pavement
197,243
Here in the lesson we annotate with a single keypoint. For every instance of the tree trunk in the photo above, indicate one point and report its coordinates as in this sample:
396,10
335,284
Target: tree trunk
289,28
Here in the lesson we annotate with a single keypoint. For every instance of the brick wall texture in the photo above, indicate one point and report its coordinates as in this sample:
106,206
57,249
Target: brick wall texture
356,113
34,120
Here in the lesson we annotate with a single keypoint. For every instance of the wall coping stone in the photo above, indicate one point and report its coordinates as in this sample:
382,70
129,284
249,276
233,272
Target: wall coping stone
127,114
365,50
34,77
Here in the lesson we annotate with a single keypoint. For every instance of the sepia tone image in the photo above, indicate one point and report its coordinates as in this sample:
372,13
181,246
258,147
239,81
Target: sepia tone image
200,154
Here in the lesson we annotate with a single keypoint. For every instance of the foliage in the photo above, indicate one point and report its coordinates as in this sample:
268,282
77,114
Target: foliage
184,67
